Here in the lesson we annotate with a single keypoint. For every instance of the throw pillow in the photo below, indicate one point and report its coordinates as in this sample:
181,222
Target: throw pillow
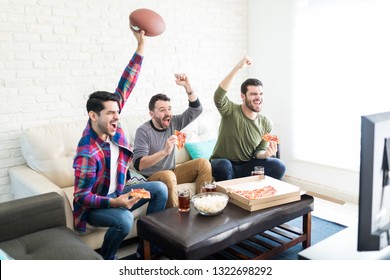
5,256
135,178
201,149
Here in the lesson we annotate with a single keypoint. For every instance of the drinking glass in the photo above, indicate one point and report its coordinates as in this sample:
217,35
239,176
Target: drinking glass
184,200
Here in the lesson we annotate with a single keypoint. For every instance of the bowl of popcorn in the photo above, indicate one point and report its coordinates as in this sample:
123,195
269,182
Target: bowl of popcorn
209,203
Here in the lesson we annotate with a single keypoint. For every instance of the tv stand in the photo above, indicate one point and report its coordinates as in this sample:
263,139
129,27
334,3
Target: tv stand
342,246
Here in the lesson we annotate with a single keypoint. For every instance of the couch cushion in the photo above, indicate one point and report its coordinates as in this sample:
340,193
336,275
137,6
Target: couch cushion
130,123
50,149
23,216
58,243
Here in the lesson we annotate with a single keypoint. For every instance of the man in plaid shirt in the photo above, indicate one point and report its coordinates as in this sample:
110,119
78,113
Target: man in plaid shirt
101,165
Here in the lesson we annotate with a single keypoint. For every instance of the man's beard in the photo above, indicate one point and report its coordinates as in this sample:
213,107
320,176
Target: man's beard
251,106
160,121
103,129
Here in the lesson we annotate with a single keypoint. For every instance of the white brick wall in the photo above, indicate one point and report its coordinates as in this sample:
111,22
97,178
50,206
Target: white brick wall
54,53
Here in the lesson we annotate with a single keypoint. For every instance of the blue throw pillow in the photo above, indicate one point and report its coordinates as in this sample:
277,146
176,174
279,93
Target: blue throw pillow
201,149
4,255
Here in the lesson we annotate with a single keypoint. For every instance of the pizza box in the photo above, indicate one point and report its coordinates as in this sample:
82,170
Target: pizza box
285,192
265,205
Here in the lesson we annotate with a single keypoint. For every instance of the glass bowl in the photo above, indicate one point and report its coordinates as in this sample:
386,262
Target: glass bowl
209,203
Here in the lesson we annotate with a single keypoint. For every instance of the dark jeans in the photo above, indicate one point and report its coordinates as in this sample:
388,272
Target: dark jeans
224,169
120,220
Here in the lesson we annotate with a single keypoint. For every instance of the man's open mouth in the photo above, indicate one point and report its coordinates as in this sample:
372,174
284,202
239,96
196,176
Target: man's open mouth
166,120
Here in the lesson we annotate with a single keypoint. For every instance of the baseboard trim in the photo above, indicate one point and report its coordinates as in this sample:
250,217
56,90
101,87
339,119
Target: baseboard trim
325,197
324,192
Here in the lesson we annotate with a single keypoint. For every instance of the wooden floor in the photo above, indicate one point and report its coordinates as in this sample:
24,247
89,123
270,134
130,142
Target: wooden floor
344,213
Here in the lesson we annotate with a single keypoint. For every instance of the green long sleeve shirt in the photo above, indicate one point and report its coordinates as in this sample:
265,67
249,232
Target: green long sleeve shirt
239,138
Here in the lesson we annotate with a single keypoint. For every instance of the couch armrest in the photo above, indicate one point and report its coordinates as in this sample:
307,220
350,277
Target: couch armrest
27,182
27,215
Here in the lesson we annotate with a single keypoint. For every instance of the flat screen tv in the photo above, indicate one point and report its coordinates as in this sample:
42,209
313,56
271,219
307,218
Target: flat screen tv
374,186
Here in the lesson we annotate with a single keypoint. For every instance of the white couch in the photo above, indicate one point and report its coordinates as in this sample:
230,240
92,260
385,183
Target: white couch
49,151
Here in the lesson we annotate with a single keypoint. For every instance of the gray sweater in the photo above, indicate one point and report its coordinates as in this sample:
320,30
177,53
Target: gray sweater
150,140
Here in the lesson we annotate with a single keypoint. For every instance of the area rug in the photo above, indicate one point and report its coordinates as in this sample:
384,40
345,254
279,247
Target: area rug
320,230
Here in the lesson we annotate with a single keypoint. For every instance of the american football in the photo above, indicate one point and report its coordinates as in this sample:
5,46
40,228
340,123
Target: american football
149,21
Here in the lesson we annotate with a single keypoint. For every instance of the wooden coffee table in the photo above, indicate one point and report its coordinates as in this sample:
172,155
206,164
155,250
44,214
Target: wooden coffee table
193,236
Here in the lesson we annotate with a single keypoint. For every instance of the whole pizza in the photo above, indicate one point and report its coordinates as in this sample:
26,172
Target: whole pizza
263,192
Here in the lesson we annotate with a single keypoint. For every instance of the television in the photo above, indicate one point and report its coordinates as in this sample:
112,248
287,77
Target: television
374,183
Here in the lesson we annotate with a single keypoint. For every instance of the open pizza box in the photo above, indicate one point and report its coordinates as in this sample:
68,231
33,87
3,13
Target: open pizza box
285,192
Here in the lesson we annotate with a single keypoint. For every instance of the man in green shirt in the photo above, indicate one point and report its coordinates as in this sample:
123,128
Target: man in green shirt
239,146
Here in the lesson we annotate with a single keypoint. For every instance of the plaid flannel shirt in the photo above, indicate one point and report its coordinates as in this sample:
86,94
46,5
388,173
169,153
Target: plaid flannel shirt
92,160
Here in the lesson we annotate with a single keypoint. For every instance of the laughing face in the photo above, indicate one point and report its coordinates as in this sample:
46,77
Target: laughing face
253,99
161,114
106,122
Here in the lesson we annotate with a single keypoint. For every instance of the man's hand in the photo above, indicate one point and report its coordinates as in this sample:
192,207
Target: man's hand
246,60
271,149
151,160
170,144
140,36
269,152
182,80
124,200
226,82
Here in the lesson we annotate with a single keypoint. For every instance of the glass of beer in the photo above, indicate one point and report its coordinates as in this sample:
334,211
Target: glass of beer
184,200
209,186
258,171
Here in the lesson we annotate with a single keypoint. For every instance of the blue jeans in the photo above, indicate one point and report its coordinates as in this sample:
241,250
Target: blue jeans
120,220
224,169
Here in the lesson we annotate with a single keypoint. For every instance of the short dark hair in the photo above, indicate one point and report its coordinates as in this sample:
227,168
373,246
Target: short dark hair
250,82
155,98
96,99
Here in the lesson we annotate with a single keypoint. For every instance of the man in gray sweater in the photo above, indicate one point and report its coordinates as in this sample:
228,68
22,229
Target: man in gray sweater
155,144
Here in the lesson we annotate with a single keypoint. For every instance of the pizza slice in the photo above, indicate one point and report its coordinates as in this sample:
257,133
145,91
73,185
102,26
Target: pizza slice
269,137
181,139
140,193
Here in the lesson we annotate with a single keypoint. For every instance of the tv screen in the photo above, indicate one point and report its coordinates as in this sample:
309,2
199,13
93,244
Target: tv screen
374,188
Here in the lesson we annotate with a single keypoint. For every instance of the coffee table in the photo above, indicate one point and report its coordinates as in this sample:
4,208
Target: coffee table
193,236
